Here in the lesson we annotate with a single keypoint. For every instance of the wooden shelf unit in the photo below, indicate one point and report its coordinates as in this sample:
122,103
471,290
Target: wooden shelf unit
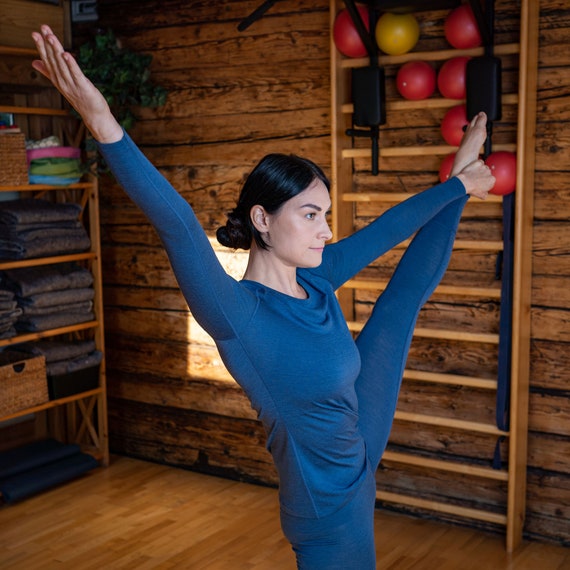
80,418
345,199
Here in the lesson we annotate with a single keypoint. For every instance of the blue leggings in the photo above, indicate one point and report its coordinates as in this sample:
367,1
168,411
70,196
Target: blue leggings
345,540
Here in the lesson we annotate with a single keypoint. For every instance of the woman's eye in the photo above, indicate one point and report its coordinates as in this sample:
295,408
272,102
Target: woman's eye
311,216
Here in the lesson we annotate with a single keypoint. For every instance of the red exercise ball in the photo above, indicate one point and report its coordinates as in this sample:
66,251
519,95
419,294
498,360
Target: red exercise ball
345,34
503,165
461,29
446,166
451,78
416,80
452,124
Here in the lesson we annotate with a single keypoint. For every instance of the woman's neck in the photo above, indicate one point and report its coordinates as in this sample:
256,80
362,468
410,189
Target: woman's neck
264,269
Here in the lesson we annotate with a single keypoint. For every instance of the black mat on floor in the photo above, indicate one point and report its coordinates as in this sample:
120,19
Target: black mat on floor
34,455
39,466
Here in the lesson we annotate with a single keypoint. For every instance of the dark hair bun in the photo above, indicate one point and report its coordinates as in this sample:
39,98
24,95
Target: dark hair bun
235,234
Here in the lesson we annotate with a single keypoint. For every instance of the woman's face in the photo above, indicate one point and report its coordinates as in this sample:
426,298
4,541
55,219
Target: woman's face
297,232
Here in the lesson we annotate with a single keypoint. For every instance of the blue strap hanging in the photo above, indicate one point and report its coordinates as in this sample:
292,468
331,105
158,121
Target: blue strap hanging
505,324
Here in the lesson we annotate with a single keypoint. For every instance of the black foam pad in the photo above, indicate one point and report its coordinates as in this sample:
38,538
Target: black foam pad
483,86
368,96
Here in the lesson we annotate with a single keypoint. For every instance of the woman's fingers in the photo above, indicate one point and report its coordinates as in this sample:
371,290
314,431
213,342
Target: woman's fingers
40,64
46,65
477,179
57,65
57,59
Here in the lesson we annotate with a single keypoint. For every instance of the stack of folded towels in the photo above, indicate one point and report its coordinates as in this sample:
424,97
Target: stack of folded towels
32,227
9,313
63,357
50,296
51,163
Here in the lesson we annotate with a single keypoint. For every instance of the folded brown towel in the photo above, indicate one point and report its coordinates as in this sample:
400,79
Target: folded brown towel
27,281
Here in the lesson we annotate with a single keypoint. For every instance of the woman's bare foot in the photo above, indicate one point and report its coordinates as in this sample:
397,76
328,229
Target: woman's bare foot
471,144
475,175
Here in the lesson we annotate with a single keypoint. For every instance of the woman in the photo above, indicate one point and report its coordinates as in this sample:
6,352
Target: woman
326,401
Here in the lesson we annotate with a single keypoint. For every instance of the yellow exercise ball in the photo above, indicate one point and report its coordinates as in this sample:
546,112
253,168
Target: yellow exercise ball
397,33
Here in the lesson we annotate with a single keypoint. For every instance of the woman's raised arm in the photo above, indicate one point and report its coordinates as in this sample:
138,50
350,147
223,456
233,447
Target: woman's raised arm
216,301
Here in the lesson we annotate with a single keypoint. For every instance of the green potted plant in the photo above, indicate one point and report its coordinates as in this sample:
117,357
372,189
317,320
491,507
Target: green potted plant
122,76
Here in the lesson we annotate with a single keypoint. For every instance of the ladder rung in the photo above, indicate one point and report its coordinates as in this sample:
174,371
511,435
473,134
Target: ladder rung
464,244
373,285
478,245
464,425
439,55
400,151
441,334
450,379
442,507
395,197
425,332
435,103
465,469
413,151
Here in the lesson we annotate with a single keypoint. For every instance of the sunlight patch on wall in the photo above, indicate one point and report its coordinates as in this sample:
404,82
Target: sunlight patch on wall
203,359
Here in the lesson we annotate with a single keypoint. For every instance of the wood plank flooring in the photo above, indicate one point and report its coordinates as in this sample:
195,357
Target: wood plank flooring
138,515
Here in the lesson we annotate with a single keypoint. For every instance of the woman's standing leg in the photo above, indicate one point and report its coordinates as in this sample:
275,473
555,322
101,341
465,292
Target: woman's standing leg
343,540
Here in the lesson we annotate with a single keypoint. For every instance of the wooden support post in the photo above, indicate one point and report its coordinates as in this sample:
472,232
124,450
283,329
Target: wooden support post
522,271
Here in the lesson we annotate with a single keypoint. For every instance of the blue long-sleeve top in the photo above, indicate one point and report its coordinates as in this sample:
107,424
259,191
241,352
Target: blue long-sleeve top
295,359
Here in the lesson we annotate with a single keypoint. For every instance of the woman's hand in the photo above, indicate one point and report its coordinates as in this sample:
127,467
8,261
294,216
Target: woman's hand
477,179
62,70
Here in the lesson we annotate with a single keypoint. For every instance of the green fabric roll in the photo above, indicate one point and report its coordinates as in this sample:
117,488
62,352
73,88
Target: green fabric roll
67,167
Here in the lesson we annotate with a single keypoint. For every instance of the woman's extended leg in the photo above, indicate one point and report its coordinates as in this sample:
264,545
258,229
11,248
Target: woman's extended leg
385,339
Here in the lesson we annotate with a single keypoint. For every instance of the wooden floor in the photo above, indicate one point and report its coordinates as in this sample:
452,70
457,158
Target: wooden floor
137,515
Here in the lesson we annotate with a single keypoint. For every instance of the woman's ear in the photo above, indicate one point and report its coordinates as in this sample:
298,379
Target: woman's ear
259,218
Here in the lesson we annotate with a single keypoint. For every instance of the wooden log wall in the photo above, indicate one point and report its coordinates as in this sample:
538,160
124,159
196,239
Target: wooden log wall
233,97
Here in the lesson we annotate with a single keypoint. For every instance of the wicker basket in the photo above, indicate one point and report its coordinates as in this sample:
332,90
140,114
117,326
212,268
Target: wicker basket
13,160
23,382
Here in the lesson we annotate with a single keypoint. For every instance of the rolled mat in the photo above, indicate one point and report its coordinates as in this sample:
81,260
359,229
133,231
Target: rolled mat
36,454
46,476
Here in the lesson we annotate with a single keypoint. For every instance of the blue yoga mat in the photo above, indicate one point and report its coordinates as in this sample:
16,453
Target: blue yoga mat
36,454
41,478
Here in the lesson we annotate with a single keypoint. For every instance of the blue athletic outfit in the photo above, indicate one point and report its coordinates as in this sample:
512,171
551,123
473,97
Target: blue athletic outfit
326,401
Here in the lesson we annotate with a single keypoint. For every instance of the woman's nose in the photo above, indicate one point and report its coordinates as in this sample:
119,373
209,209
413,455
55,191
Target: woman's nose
326,232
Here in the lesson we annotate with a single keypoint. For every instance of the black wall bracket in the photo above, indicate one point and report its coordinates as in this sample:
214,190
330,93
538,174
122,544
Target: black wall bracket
483,74
255,15
368,87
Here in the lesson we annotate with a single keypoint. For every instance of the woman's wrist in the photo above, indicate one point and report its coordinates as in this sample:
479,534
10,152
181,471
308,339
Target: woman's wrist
105,131
463,179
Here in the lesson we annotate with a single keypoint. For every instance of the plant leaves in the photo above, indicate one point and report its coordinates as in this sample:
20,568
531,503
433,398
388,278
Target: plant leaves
122,76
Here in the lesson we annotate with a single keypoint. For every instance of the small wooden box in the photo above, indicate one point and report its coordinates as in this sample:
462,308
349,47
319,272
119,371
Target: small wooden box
13,160
23,382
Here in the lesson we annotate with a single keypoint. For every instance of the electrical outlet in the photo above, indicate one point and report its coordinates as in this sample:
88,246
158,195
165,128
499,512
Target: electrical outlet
84,10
